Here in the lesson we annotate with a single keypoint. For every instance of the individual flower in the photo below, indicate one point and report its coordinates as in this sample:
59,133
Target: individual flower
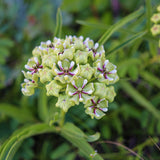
28,87
82,57
33,65
86,71
155,18
65,70
45,75
79,90
49,59
96,107
155,29
46,47
64,102
106,72
53,88
66,54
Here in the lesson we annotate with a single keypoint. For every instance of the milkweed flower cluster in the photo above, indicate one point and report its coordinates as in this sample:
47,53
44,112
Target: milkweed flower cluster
156,20
74,70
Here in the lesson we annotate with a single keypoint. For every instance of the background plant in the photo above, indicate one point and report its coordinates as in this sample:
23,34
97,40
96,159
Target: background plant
134,115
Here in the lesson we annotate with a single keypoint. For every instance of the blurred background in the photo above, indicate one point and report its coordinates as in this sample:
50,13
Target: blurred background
133,118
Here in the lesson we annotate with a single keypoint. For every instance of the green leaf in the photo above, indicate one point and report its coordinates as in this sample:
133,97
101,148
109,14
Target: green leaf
77,138
60,151
58,29
140,99
7,149
150,78
126,43
102,26
94,137
118,25
148,13
42,105
22,115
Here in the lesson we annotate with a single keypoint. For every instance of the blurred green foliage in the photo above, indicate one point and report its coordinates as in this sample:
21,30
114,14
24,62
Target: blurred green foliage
132,118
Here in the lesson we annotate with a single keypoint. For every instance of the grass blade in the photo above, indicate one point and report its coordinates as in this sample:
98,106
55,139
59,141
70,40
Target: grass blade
127,42
58,29
140,99
118,25
150,78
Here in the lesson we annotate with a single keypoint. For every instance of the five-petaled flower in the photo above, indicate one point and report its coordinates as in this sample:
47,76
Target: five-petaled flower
79,90
96,106
33,65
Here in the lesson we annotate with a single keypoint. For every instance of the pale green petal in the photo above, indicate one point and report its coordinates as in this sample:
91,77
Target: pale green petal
68,54
36,52
100,90
98,115
86,71
45,75
49,60
28,88
75,99
89,88
81,57
78,44
110,93
53,88
70,90
64,102
85,98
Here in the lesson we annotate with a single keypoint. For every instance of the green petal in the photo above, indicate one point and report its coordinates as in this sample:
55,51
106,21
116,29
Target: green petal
100,90
75,99
30,76
78,44
70,90
45,75
28,88
68,54
86,71
99,114
64,79
103,104
86,98
89,88
53,88
110,94
36,52
64,102
81,57
49,60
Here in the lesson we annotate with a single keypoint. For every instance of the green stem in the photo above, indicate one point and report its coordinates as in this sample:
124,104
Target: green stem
62,118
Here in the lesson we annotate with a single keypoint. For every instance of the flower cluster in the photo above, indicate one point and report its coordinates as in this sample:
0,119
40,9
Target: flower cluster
74,70
156,20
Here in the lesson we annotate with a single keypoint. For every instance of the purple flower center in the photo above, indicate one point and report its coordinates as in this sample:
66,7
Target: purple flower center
94,105
79,90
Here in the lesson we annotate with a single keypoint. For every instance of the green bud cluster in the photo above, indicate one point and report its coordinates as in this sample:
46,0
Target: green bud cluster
156,20
74,70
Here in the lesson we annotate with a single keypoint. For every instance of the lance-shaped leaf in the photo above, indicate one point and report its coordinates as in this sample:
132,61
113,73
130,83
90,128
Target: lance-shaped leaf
58,29
118,25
